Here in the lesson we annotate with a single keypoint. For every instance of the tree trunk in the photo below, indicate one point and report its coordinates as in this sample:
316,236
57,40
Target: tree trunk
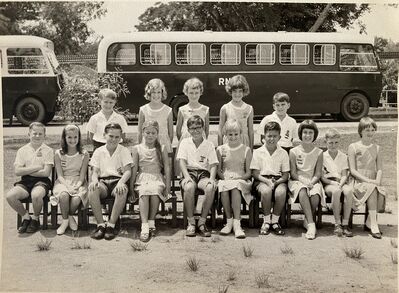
320,20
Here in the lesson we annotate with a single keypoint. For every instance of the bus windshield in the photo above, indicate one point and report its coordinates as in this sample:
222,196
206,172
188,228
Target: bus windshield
358,58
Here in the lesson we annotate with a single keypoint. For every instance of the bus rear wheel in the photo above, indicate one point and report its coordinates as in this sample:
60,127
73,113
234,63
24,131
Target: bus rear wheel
354,106
29,110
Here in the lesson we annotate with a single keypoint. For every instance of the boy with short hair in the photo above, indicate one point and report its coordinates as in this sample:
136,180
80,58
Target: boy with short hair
96,125
33,163
289,129
334,178
111,170
270,167
198,163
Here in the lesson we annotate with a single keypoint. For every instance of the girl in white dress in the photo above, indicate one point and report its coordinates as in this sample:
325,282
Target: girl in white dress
234,173
150,177
238,88
193,89
306,163
155,110
70,188
365,166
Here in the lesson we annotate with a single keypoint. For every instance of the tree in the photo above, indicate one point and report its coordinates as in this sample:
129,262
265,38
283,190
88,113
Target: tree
389,67
65,23
249,16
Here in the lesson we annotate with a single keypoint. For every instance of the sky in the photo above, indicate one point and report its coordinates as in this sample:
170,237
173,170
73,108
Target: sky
381,21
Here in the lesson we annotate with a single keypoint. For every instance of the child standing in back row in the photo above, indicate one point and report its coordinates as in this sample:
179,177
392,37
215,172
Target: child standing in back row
289,129
238,88
70,189
150,177
234,174
365,166
155,110
97,122
193,89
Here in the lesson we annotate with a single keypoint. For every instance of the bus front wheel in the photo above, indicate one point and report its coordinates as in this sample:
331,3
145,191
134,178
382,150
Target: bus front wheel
354,106
29,110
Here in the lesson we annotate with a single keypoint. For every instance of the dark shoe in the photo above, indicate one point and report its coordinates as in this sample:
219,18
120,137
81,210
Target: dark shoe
277,229
110,233
367,229
338,230
99,233
33,226
376,235
153,232
203,231
24,226
346,231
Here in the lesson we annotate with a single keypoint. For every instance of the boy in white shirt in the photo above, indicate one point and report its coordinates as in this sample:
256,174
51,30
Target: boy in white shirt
96,125
289,129
33,163
111,170
198,163
270,167
334,179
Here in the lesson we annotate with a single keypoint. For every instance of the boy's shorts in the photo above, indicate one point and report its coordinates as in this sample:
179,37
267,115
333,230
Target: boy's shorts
109,183
28,182
255,185
197,175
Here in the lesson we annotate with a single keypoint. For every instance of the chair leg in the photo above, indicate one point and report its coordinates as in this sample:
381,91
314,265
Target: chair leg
319,216
283,217
45,214
251,214
174,212
19,221
85,219
53,216
288,215
350,223
213,217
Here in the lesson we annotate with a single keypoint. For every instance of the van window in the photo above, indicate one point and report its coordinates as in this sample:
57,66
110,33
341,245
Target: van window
294,54
225,54
357,58
155,54
259,54
324,54
121,54
26,61
190,54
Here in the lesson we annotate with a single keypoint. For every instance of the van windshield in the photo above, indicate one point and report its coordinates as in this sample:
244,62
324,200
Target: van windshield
53,60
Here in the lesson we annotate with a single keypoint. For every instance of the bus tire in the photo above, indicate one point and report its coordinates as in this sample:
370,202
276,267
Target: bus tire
30,109
48,117
176,103
354,106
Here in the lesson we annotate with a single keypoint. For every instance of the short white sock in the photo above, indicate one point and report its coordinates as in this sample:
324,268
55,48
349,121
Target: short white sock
191,221
26,216
151,223
345,222
145,228
35,217
110,225
266,219
275,218
201,221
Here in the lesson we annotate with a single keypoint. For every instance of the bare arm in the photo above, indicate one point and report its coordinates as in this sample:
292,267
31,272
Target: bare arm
83,170
213,172
22,171
220,165
127,172
344,177
251,129
293,168
94,179
170,126
44,172
318,170
58,169
283,179
183,169
140,125
379,170
248,159
222,121
207,125
90,137
167,170
257,176
179,125
133,176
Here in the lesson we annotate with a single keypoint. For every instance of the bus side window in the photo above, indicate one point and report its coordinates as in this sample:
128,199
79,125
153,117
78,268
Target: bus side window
294,54
225,54
26,61
324,54
155,54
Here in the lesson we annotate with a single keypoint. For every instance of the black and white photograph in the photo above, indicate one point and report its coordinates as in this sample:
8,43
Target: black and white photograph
199,146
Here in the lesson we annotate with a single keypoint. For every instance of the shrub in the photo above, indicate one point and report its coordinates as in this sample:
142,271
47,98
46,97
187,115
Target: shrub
223,289
138,245
231,275
77,245
262,280
394,257
354,252
43,244
192,263
394,242
248,250
286,249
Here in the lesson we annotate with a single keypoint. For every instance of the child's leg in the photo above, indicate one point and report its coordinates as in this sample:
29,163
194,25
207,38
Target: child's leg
154,206
209,192
189,188
266,199
144,207
314,202
64,204
334,192
225,197
37,194
236,203
372,206
280,194
14,197
306,206
348,201
119,205
94,200
74,204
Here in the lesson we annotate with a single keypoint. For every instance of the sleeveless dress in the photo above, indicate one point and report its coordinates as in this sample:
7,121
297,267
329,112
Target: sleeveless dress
366,164
71,166
233,160
241,114
161,116
305,164
149,180
188,112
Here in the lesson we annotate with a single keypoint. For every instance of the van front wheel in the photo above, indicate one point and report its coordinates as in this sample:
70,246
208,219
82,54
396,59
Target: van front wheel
354,106
29,110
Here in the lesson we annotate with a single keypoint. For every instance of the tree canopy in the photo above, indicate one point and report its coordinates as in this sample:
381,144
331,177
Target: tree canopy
65,23
246,16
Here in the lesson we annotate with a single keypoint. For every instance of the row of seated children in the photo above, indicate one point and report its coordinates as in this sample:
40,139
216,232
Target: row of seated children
112,168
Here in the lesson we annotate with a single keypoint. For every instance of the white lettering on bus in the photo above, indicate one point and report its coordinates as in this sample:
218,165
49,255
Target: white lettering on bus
223,81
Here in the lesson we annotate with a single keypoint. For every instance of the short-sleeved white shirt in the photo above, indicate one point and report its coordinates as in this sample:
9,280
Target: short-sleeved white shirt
289,128
111,165
267,164
332,168
201,158
27,156
98,121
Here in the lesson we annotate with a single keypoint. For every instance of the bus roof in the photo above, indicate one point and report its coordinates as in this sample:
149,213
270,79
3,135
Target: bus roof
209,36
22,41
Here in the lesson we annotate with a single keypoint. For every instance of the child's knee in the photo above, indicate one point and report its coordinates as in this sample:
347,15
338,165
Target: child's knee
38,193
189,188
209,190
280,195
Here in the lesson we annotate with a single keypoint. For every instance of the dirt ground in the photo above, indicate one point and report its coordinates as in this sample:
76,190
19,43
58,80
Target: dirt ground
112,266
